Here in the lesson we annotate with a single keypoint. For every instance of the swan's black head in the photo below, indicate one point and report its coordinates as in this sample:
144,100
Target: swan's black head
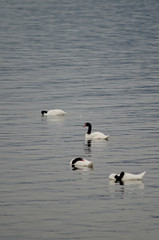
87,124
42,112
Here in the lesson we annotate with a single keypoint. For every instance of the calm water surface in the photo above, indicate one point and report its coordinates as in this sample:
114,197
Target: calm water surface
98,61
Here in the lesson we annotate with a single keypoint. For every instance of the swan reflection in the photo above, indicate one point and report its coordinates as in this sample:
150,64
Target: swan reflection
85,169
87,146
138,183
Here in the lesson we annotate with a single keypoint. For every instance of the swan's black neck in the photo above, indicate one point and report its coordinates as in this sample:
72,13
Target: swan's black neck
42,112
76,160
119,178
89,128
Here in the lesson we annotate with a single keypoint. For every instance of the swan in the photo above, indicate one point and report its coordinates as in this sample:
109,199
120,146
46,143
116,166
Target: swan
123,176
80,162
55,112
94,135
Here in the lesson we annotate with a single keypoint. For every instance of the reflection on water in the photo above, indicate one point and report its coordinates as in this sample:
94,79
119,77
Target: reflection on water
85,169
126,189
89,143
129,182
53,119
87,147
120,182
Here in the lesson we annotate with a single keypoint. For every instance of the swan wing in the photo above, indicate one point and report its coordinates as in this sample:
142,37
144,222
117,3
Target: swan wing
96,135
84,163
130,176
56,112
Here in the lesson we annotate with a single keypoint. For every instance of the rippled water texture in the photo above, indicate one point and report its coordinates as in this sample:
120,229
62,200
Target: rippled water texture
98,61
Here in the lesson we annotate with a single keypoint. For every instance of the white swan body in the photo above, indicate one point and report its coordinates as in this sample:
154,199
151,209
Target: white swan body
127,176
55,112
80,162
94,135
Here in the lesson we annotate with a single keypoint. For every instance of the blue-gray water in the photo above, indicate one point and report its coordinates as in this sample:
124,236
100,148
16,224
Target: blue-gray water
99,62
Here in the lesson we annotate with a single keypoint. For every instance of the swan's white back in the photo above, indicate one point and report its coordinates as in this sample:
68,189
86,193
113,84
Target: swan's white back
56,112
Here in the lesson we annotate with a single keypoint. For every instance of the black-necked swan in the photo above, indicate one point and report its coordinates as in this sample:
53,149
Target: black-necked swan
81,162
94,135
123,176
55,112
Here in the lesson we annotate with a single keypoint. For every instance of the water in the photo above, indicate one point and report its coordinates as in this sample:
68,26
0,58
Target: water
98,61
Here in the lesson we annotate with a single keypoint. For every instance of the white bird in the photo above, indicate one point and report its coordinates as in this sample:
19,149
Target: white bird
55,112
126,176
94,135
80,162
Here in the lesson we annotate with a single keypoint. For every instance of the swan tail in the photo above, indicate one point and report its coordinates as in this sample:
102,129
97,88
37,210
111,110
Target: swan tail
141,175
106,137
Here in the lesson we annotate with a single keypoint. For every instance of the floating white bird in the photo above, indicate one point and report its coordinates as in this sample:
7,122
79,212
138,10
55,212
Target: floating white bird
126,176
80,162
55,112
94,135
